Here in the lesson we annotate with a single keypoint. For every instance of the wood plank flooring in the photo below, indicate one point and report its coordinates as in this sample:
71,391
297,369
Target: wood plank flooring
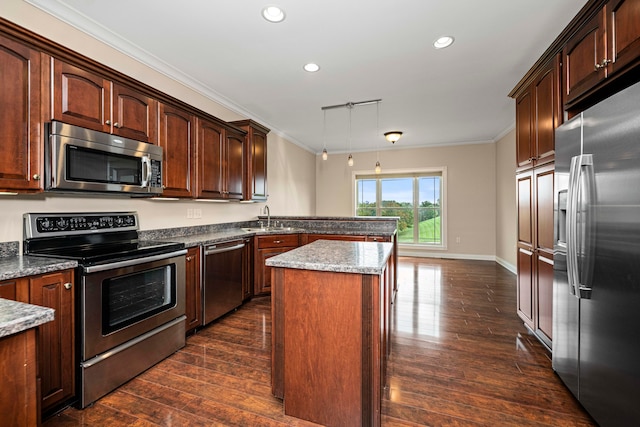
460,357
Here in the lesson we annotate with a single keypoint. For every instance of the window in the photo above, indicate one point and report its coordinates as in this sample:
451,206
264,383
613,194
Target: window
416,198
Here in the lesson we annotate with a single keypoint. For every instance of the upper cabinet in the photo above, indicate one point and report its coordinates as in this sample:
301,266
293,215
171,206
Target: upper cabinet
255,160
220,155
20,114
604,47
87,99
538,113
177,138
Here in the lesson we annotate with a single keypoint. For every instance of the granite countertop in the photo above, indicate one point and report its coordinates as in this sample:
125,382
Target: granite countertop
217,236
17,316
336,256
24,265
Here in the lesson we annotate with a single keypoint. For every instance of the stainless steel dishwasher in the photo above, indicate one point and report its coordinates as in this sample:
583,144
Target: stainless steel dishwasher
224,273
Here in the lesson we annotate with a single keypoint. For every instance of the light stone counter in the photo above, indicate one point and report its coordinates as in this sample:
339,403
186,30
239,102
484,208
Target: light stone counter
336,256
17,316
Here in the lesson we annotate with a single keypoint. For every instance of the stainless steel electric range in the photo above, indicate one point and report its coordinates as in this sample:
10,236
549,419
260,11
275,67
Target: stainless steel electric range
130,300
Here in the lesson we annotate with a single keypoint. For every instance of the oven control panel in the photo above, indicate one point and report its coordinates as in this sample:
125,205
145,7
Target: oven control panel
50,224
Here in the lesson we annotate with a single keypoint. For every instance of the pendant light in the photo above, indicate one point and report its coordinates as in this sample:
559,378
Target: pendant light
325,155
377,169
350,158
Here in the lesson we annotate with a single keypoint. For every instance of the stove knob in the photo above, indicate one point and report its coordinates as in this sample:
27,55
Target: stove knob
45,224
62,223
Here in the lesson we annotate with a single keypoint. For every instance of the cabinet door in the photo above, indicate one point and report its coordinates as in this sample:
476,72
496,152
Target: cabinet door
193,294
55,339
135,115
524,129
525,292
543,203
583,56
80,97
15,290
262,283
544,289
177,140
234,164
258,165
210,160
524,190
20,99
623,33
547,111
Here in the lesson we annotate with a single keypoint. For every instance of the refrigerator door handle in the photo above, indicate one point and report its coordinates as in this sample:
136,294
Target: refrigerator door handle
585,199
571,226
579,225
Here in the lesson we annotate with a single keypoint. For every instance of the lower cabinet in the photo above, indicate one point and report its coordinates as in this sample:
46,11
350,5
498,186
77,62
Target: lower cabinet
266,247
193,291
55,339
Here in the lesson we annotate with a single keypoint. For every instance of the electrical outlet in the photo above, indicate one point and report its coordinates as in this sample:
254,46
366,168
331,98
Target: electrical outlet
457,239
197,213
190,213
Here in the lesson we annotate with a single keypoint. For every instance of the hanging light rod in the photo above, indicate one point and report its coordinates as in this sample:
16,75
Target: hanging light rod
351,104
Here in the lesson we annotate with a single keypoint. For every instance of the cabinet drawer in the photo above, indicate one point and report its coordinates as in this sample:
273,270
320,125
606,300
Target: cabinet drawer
277,241
378,238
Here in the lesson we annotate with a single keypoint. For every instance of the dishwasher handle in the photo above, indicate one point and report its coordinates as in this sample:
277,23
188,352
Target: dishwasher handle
210,250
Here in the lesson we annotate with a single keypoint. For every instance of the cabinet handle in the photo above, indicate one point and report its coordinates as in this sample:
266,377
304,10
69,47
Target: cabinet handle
277,241
108,122
116,125
67,286
603,64
189,258
36,177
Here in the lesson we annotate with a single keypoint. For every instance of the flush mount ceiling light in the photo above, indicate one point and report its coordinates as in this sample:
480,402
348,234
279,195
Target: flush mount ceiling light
311,67
393,136
442,42
273,14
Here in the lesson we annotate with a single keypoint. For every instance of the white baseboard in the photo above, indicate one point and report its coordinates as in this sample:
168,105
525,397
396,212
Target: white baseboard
475,257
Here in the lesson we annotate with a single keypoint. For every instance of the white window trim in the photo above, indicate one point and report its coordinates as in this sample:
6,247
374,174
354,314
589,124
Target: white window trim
443,205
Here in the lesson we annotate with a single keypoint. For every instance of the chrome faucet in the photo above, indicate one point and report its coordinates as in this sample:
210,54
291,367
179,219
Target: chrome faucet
266,211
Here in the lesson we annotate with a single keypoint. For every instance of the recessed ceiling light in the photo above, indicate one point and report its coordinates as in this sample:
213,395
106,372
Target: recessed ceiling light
273,14
311,67
442,42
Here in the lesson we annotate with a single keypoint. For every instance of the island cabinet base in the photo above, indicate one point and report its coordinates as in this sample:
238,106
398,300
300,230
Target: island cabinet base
329,345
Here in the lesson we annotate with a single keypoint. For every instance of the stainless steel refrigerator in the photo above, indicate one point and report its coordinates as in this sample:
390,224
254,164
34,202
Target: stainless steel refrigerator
596,310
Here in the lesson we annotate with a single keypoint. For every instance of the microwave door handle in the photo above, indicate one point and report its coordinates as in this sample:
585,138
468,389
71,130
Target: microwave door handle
146,172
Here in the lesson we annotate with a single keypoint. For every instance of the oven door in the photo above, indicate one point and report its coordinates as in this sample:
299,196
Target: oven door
123,300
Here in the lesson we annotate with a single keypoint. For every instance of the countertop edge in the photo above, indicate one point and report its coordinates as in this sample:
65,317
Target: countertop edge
18,316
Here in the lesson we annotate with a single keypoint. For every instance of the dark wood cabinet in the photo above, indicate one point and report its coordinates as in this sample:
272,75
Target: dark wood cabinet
255,178
538,114
605,46
312,237
55,339
177,138
266,247
193,290
56,357
220,161
584,58
20,114
535,250
87,99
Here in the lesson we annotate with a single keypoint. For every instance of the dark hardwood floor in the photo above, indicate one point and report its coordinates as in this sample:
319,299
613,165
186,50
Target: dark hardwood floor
460,357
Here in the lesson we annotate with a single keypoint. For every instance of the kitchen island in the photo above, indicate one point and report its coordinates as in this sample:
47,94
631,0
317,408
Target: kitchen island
330,330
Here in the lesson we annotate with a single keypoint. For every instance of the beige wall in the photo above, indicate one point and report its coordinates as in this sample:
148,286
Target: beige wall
291,170
506,211
471,191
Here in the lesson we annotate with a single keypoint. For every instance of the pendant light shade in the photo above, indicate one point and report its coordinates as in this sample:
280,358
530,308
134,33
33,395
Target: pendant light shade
350,160
325,155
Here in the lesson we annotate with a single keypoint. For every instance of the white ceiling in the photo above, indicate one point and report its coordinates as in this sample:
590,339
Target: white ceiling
367,49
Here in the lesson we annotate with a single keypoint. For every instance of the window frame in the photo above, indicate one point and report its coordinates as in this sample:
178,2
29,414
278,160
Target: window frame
442,170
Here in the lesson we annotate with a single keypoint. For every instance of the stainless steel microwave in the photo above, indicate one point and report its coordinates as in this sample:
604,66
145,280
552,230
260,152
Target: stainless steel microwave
83,160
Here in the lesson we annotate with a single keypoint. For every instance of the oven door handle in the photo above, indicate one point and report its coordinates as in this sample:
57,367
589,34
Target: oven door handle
135,261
